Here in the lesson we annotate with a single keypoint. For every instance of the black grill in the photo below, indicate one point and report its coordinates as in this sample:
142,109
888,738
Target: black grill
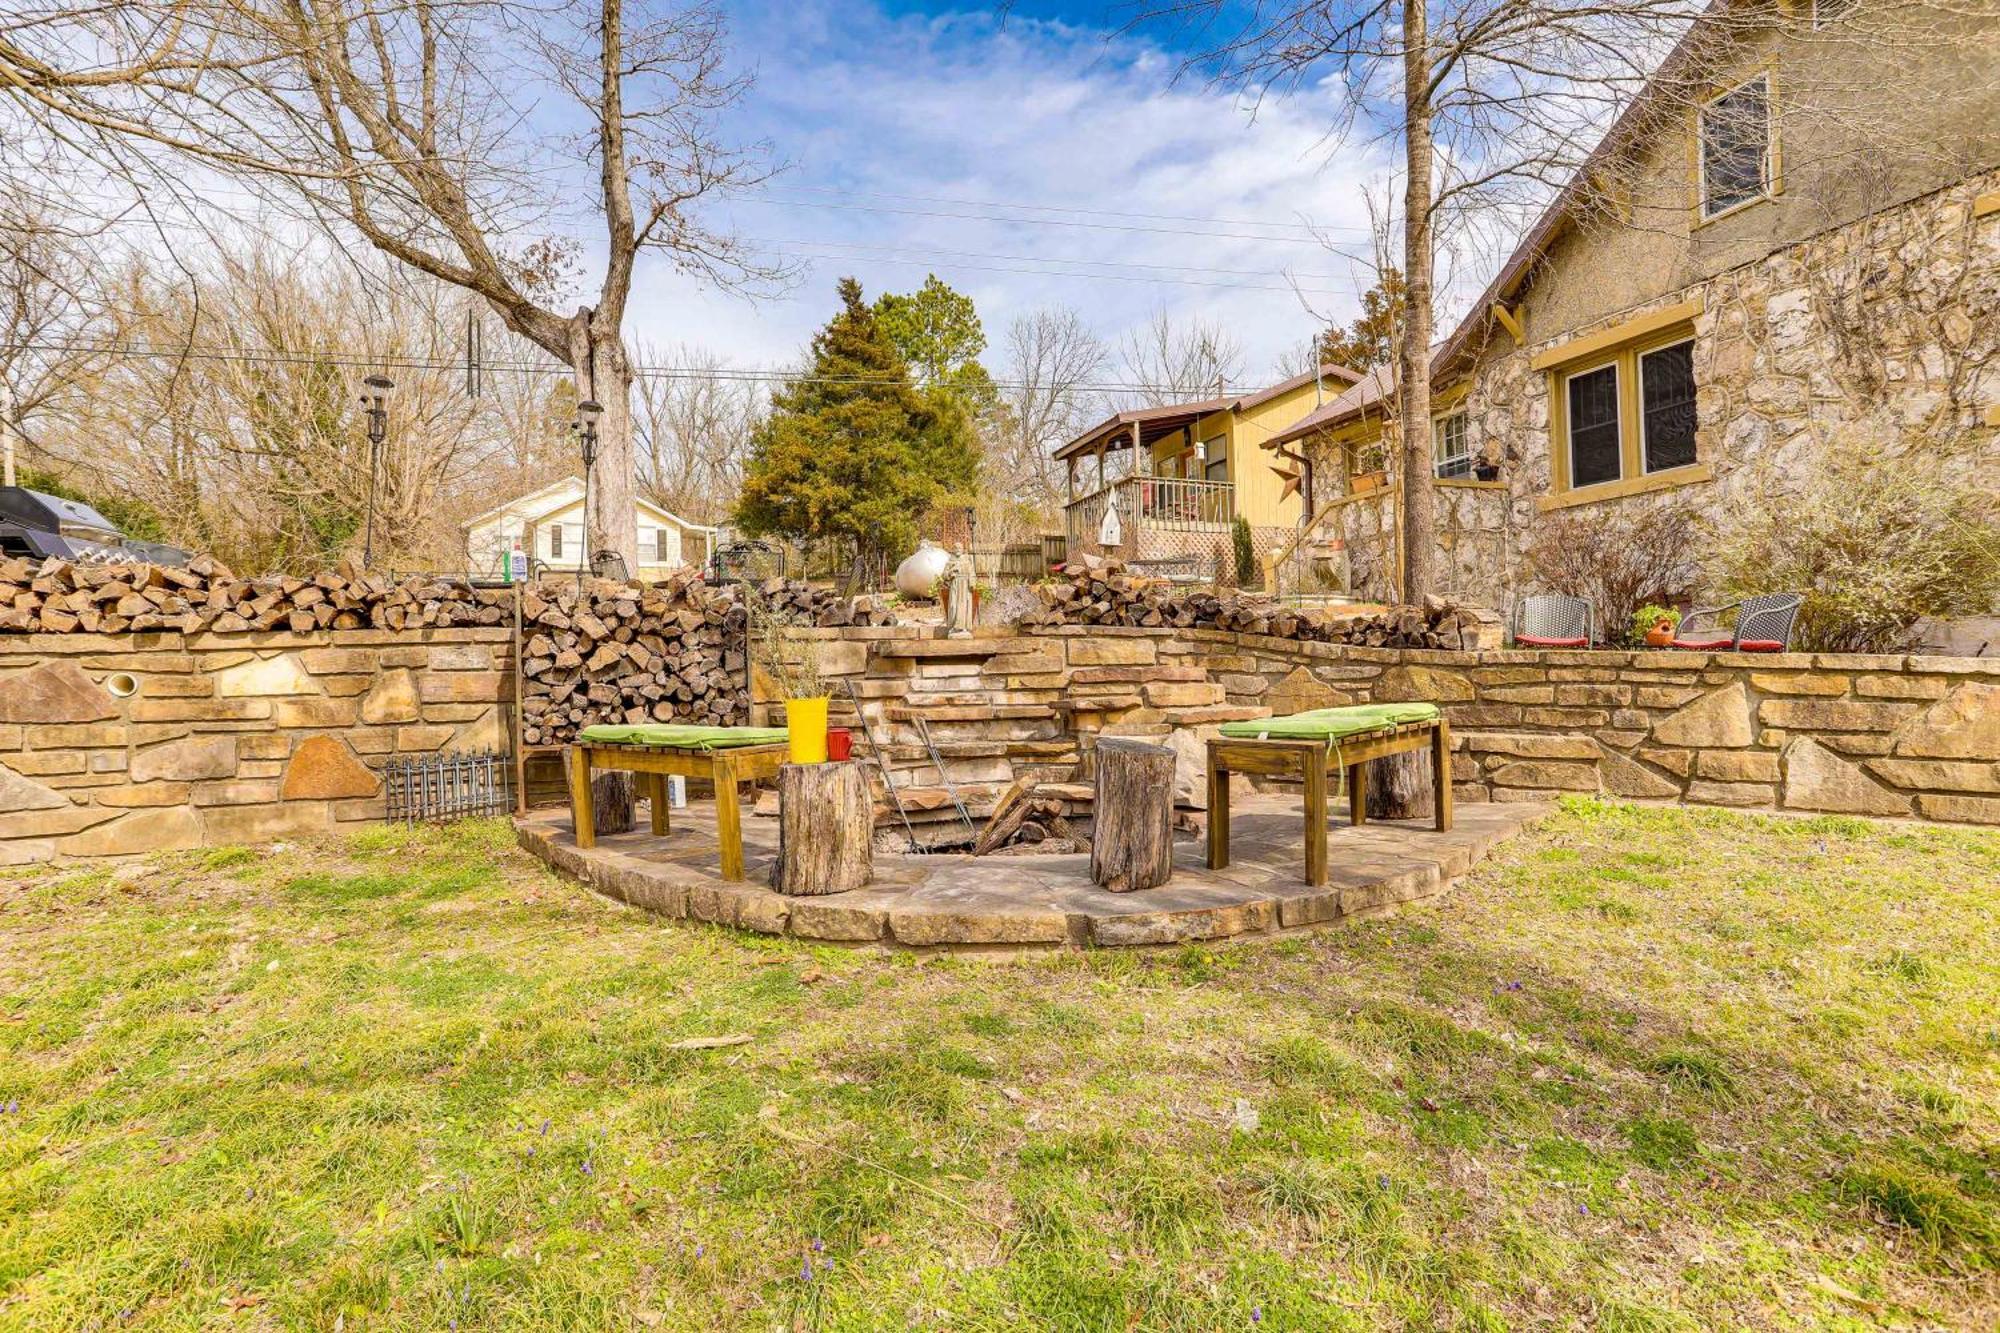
38,525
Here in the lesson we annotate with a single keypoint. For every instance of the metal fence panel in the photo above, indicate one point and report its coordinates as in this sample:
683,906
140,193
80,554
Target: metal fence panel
440,788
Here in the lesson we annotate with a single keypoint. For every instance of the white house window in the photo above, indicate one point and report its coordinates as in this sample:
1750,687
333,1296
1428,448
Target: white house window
1667,406
1736,147
1451,452
1594,445
661,551
555,541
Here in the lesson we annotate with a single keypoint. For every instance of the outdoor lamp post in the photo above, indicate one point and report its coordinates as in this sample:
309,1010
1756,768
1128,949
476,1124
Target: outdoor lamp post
588,412
375,392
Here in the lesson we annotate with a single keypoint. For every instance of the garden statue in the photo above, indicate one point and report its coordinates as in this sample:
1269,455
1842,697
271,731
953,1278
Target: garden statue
958,608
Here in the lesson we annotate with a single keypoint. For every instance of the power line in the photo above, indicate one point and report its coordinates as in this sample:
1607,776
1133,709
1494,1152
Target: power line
1037,222
1106,277
1050,259
352,360
1303,227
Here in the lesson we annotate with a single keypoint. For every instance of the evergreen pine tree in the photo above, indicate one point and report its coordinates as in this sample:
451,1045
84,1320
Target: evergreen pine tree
852,448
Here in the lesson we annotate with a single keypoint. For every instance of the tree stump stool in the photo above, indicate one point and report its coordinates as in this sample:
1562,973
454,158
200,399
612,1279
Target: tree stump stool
1132,830
1398,786
826,829
611,798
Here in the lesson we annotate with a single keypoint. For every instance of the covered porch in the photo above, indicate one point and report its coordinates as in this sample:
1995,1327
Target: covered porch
1170,515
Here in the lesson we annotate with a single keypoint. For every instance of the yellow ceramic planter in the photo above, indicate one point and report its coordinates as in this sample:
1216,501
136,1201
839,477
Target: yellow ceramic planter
805,723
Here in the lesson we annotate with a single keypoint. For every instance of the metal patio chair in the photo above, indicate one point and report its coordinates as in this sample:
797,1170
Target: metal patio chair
1763,625
1550,620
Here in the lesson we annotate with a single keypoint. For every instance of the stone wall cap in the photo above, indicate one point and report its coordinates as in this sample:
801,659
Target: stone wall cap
65,645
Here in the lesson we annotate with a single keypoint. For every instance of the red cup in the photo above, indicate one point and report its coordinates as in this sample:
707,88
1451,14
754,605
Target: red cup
839,744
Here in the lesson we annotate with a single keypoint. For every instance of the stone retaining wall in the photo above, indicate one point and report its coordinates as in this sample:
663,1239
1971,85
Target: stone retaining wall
122,744
116,744
1875,735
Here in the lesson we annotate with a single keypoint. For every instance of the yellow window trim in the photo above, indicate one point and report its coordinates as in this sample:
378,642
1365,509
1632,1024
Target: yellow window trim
1617,490
1986,204
1624,358
1590,344
1698,216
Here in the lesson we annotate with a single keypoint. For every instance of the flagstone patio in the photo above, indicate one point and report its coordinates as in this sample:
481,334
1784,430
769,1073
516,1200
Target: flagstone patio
954,901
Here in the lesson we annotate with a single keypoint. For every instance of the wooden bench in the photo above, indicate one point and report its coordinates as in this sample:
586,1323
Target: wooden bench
1315,761
725,767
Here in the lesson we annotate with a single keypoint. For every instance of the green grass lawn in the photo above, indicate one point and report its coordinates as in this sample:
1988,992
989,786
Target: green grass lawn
1646,1069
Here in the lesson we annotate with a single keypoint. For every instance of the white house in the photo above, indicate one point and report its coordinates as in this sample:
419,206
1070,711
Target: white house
549,525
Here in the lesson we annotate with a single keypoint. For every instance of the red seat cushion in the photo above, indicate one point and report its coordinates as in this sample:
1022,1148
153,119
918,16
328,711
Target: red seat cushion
1702,645
1760,646
1540,642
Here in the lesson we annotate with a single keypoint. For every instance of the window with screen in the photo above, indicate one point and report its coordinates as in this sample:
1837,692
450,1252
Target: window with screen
1736,147
1825,12
1451,455
1666,406
555,541
661,551
1215,466
1593,427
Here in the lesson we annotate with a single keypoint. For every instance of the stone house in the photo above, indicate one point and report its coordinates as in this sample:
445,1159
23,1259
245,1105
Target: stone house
1792,236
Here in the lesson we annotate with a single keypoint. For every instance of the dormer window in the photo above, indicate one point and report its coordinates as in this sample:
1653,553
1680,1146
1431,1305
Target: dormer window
1736,161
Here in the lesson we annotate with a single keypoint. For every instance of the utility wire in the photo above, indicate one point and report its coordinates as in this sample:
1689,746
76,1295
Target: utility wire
1299,227
353,360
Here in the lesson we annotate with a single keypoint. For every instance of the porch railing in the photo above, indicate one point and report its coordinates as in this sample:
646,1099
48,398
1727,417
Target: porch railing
1170,503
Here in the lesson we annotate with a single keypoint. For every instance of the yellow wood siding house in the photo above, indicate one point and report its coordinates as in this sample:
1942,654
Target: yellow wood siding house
1179,475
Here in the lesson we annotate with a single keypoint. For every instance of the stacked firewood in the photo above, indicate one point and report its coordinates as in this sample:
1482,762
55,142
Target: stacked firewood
600,651
1096,591
57,596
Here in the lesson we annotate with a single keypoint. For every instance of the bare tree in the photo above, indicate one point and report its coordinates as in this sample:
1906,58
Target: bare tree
53,312
694,422
1053,357
224,410
1178,359
414,125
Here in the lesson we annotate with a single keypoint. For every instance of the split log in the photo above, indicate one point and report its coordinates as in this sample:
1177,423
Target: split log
1097,591
1008,814
1132,837
826,829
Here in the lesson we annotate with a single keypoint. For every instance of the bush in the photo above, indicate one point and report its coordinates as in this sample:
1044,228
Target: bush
1246,552
1875,545
1620,557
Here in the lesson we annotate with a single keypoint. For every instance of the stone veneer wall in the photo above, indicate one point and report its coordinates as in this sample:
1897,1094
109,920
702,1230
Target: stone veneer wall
227,737
1881,330
1875,735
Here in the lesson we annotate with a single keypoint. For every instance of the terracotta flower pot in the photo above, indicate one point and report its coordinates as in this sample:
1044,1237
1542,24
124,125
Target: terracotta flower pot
1660,635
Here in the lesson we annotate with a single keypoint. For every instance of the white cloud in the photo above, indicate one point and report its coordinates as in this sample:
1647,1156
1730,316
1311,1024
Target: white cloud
867,106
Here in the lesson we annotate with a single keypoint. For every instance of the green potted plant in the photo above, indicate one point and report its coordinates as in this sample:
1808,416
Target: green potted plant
1655,625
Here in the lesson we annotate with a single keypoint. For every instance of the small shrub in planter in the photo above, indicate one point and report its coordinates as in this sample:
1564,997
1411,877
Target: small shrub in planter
1654,624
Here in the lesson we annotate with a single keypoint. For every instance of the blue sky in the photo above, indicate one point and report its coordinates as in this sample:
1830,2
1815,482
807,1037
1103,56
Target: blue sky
1050,159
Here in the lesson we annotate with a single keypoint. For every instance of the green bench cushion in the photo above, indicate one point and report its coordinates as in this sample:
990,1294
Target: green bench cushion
670,736
1331,724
